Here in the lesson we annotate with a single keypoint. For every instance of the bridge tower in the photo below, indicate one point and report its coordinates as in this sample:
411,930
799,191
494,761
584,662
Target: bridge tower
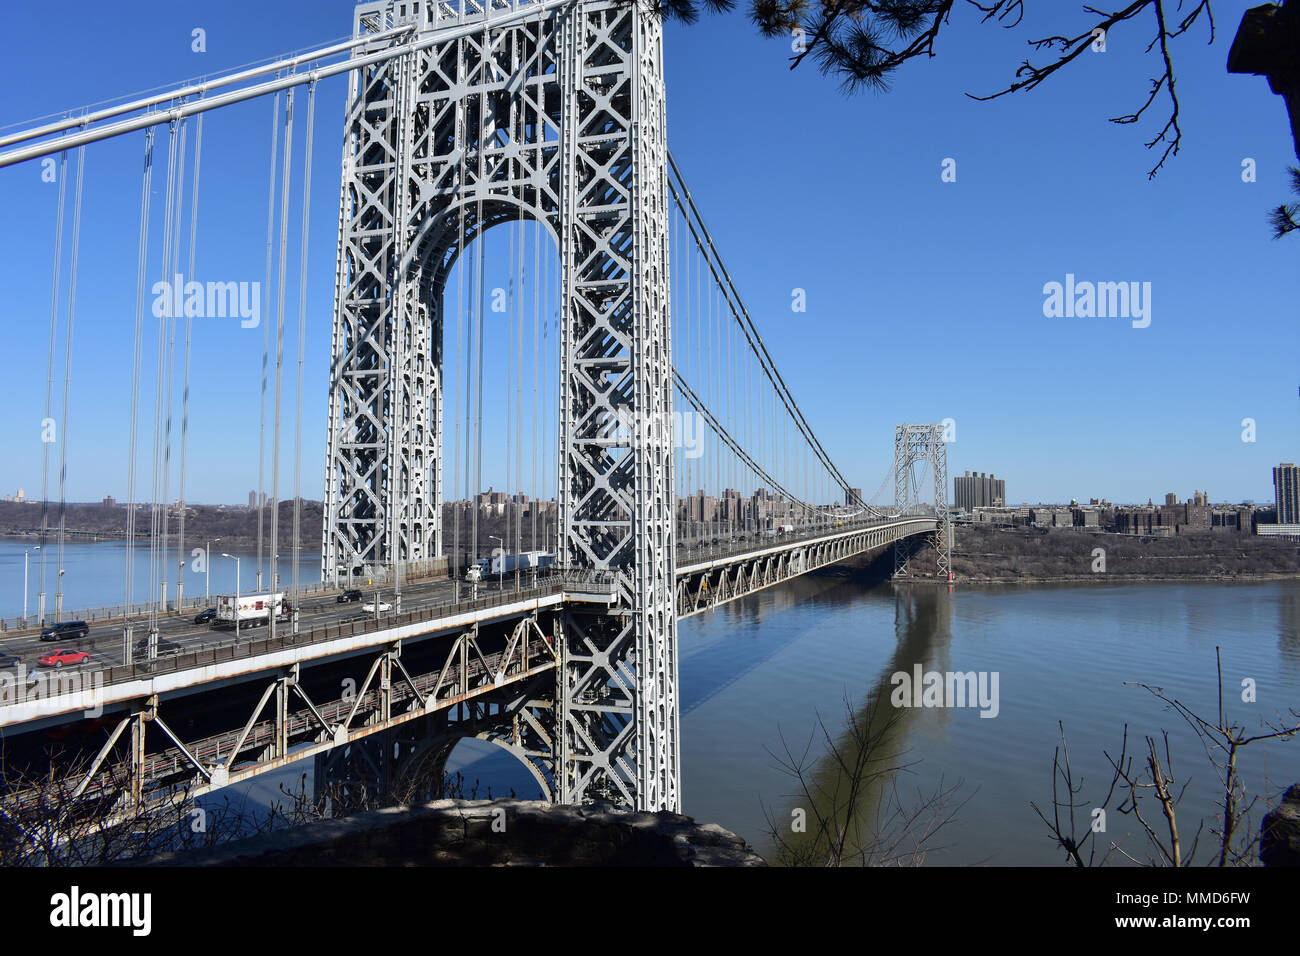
922,445
489,111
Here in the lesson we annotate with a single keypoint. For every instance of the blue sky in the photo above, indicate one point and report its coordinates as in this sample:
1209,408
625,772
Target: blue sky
925,298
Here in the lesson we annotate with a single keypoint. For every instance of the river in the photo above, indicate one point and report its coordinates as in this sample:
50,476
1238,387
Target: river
95,573
761,670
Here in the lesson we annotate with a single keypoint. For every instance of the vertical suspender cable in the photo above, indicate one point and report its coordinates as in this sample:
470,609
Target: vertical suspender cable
537,348
460,464
49,375
67,370
279,346
513,296
302,327
519,393
552,402
141,266
479,321
189,330
173,262
259,500
155,524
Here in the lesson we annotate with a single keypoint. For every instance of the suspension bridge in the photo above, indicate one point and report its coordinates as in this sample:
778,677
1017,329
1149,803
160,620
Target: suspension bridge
632,388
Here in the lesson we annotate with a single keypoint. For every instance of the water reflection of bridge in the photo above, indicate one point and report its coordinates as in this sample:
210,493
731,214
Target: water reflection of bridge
847,792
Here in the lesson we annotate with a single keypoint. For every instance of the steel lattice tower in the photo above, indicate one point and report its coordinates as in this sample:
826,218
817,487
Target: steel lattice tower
555,112
923,445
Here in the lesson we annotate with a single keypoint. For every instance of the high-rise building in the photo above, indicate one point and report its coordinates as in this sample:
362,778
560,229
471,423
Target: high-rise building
1286,492
971,491
1170,499
252,499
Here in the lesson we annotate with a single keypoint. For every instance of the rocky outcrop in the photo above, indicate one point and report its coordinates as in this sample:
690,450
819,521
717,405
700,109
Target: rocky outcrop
486,833
1279,843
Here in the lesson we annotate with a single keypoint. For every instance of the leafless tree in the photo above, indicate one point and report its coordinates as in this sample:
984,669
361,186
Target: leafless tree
1149,786
848,801
864,42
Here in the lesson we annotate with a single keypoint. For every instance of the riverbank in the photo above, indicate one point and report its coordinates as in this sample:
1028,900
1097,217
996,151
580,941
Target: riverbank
235,527
1076,556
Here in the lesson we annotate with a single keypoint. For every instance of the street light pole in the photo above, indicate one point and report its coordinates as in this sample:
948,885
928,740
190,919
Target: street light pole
236,560
501,564
25,554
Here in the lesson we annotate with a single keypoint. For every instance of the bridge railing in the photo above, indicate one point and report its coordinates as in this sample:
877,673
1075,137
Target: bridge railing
14,626
761,541
551,581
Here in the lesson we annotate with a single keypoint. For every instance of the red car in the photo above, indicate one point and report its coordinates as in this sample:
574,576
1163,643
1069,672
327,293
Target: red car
59,658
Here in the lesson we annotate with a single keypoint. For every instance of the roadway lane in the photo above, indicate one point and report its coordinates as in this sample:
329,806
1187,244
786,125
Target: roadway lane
104,643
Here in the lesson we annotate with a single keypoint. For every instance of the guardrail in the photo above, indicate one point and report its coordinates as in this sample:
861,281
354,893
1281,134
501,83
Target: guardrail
761,541
556,581
16,626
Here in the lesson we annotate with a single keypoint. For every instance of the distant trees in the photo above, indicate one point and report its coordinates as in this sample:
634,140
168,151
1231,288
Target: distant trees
983,553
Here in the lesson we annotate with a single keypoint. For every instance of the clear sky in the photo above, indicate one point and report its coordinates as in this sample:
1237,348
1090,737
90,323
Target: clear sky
924,297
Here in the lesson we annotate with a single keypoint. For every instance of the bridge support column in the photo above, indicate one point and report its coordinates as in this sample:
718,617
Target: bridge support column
438,150
619,735
921,446
139,720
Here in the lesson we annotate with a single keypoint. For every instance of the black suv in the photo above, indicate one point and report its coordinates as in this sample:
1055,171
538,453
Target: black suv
8,660
348,596
165,648
66,631
206,617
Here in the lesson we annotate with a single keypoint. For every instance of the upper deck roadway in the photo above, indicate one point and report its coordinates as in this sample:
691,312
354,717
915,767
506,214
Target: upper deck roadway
706,577
443,653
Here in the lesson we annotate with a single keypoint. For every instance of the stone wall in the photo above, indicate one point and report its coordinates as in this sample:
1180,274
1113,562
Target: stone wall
486,833
1279,843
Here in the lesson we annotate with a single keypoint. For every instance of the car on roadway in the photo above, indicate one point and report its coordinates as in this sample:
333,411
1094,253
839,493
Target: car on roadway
64,656
206,616
165,648
348,596
65,631
8,660
370,608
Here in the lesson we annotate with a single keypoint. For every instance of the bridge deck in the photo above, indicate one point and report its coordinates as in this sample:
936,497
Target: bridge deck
705,577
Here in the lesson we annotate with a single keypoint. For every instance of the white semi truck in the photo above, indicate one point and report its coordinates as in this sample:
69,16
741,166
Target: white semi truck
509,563
252,610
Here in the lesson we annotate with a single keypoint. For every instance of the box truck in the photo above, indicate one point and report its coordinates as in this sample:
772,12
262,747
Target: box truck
509,563
251,610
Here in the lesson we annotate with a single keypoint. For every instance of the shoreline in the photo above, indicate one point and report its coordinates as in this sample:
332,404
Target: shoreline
1116,579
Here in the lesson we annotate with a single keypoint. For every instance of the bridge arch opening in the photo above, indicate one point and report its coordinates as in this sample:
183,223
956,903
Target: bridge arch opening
492,294
469,765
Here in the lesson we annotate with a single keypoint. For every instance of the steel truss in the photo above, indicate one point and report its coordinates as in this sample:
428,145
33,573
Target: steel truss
726,580
502,695
558,118
922,445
